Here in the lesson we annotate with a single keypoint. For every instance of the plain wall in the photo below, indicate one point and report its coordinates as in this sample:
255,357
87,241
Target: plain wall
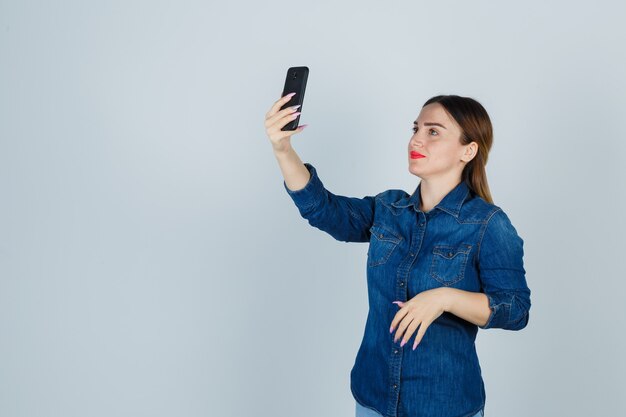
152,264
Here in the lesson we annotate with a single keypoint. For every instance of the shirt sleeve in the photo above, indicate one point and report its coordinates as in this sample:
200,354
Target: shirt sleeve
502,274
347,219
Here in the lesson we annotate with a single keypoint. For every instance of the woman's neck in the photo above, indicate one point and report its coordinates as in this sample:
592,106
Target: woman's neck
432,191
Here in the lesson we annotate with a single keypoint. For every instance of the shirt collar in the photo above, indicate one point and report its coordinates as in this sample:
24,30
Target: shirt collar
451,203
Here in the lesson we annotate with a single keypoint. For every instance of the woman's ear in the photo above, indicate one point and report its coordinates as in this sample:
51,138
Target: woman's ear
470,152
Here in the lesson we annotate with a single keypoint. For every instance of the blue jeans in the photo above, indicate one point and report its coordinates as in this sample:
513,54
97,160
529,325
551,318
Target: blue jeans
368,412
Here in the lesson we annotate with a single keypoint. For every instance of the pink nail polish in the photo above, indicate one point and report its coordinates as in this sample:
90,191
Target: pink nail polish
391,329
403,343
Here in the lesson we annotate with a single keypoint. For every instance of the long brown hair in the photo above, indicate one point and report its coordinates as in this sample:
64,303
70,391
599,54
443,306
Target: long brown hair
475,125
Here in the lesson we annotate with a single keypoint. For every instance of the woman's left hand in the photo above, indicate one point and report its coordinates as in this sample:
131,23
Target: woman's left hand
422,309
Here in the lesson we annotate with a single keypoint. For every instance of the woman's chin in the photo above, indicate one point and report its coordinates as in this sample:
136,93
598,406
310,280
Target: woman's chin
415,170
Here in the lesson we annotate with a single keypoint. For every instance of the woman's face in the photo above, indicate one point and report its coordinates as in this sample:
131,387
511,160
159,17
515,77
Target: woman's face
437,137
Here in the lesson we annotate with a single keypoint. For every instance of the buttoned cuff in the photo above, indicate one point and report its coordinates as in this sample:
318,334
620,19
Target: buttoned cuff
509,310
500,312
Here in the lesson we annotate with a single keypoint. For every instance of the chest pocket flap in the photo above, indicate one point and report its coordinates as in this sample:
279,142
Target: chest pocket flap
382,243
448,262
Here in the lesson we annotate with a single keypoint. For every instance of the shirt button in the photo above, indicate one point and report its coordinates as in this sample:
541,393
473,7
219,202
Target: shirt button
395,386
421,224
411,254
402,283
395,351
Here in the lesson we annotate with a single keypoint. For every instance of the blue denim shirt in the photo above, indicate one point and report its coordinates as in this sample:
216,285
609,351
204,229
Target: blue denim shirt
464,242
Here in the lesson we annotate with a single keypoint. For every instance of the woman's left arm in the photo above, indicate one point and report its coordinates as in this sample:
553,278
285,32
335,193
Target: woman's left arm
502,276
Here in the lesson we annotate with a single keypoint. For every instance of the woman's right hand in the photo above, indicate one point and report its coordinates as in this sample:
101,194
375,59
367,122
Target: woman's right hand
276,119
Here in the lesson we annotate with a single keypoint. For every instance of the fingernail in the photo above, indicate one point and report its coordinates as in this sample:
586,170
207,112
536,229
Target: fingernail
295,107
391,329
414,346
303,126
403,343
291,94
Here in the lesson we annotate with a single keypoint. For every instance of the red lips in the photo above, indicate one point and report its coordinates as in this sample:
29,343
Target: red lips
416,155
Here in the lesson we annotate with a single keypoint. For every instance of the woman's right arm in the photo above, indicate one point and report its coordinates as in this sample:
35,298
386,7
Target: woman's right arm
346,219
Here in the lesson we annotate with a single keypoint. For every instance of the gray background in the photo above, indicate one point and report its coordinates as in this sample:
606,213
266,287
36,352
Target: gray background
151,263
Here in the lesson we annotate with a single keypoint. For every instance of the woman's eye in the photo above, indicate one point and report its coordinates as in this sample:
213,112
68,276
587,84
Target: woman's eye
431,130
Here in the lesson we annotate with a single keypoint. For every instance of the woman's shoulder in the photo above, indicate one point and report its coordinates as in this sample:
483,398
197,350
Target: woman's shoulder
394,198
478,209
392,195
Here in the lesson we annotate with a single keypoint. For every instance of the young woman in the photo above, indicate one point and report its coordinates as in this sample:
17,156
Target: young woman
441,262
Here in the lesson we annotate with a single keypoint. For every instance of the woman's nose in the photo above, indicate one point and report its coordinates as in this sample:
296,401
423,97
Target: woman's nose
416,141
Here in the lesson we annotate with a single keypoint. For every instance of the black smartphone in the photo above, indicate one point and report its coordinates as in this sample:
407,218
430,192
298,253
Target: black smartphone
295,82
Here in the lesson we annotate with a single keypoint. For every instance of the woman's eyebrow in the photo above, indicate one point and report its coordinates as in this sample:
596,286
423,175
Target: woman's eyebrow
432,124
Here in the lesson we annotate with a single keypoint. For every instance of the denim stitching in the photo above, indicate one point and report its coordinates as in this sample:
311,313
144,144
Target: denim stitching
464,255
483,230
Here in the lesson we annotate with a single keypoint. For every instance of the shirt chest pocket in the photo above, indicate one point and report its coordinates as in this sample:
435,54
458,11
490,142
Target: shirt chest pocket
382,244
448,262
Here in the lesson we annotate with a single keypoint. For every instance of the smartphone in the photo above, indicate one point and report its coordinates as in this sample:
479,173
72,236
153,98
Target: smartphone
295,82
